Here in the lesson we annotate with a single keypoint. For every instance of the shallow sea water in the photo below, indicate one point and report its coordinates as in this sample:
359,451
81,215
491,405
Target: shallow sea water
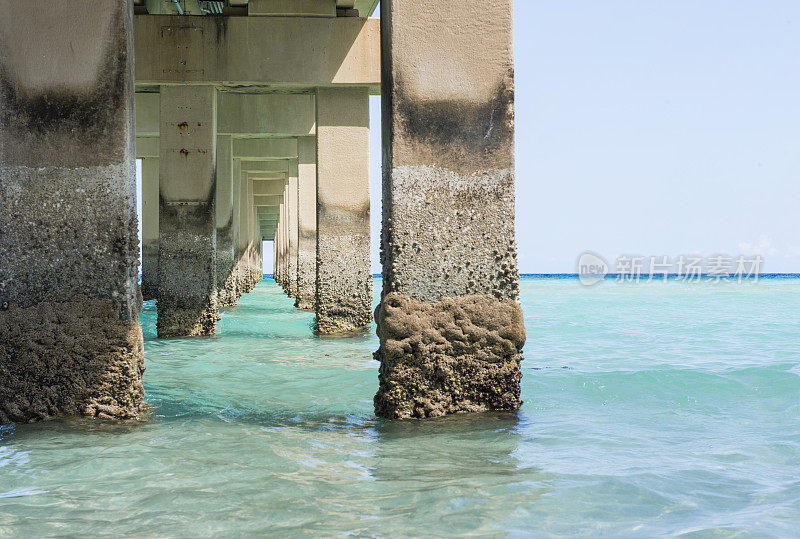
661,408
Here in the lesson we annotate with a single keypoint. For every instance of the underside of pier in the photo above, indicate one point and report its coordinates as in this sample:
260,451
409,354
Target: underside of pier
251,119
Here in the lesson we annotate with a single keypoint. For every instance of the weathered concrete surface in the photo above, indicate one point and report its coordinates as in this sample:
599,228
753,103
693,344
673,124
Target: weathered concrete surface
448,250
187,264
459,354
70,340
344,281
231,51
223,205
150,228
307,223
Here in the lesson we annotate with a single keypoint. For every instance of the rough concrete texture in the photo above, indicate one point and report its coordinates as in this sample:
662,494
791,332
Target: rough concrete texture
344,289
460,354
307,223
69,358
187,291
70,341
450,327
344,280
150,271
227,294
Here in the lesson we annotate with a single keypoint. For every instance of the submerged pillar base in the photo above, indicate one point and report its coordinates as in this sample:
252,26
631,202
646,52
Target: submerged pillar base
459,354
69,358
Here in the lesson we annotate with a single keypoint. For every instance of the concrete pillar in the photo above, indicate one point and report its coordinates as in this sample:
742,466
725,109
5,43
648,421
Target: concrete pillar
292,227
70,340
344,280
256,264
150,167
282,230
245,257
450,328
236,226
223,205
307,223
187,262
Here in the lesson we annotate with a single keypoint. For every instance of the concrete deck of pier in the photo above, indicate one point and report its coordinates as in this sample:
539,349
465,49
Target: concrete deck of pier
252,123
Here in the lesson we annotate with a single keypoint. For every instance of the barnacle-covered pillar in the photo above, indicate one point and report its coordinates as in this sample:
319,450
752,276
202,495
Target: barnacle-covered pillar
344,281
223,206
450,327
187,261
292,222
70,340
307,223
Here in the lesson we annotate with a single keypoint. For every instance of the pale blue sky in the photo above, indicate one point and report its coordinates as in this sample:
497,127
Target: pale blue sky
651,128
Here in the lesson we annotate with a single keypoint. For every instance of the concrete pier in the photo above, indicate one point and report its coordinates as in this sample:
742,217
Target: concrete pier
344,281
187,261
307,223
70,340
253,125
292,228
450,328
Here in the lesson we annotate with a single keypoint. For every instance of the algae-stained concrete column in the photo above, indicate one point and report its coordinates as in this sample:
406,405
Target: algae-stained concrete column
292,226
283,239
187,287
307,223
236,225
150,167
344,281
70,340
255,268
244,235
450,327
223,205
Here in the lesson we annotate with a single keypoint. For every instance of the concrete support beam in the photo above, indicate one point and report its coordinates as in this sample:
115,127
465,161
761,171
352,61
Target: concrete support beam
254,149
344,281
268,187
187,262
307,223
150,210
313,51
223,204
266,115
281,166
70,340
248,116
451,330
292,8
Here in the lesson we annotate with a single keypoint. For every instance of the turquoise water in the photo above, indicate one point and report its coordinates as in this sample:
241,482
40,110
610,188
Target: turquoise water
649,409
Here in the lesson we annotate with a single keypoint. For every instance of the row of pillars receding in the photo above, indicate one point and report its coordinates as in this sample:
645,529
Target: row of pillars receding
449,324
214,187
